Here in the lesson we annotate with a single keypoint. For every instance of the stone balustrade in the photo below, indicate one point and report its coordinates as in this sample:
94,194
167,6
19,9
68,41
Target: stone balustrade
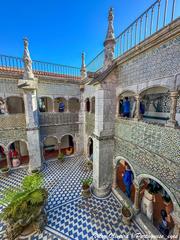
53,118
12,121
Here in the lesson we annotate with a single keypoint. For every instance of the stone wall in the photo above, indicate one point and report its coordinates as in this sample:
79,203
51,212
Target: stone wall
11,135
58,118
57,89
11,121
151,149
8,87
90,123
156,63
58,131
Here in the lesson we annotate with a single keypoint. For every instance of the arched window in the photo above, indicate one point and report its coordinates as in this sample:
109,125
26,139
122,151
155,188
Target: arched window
87,105
3,108
18,153
125,178
3,158
50,148
60,104
156,103
90,148
126,104
74,105
93,105
156,203
15,105
67,145
45,104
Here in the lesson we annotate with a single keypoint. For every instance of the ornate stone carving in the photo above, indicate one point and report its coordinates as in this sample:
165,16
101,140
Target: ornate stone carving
83,68
28,73
172,121
137,111
109,43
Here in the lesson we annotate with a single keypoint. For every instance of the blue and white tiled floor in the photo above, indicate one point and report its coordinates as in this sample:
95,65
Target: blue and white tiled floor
69,215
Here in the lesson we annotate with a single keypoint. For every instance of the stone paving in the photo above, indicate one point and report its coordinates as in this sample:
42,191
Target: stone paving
69,215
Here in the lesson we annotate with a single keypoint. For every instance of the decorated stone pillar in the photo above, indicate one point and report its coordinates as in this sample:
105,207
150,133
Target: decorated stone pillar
53,105
176,230
109,43
67,106
137,111
172,121
136,197
103,138
59,147
29,85
83,68
81,142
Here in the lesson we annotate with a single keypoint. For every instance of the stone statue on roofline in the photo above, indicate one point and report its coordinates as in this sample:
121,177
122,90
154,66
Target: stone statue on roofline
28,73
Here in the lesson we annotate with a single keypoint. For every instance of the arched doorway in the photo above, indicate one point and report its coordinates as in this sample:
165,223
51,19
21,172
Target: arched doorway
156,204
74,105
87,105
3,158
45,104
156,101
15,105
125,177
50,148
90,148
3,108
18,153
126,104
93,105
67,145
60,104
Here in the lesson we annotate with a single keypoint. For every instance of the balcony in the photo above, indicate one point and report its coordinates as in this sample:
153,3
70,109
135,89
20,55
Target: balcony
12,121
56,118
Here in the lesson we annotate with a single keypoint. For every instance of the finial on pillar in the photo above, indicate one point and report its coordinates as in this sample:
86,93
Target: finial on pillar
28,73
109,42
83,67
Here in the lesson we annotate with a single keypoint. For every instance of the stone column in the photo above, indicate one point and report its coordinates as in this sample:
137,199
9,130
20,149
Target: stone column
172,121
81,137
136,197
29,85
67,106
8,159
117,106
137,111
32,128
114,183
83,68
176,230
59,148
53,105
103,140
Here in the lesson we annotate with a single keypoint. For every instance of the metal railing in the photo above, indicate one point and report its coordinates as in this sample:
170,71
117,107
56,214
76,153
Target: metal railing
15,64
96,63
157,16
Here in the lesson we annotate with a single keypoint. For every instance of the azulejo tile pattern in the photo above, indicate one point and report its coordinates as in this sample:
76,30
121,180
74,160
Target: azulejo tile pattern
69,215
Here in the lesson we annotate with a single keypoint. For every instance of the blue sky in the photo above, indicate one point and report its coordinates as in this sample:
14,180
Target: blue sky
58,30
